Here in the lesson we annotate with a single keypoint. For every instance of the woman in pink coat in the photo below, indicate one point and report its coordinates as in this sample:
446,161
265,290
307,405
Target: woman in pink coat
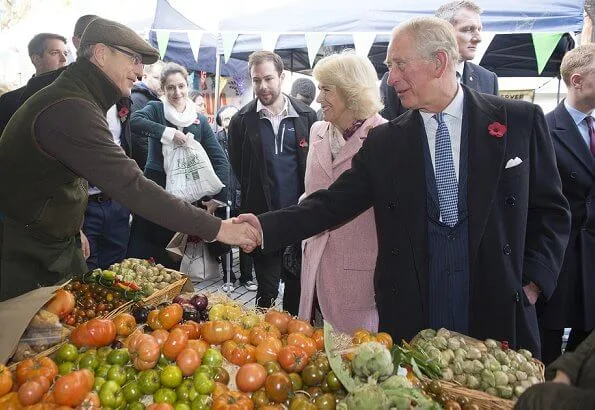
338,265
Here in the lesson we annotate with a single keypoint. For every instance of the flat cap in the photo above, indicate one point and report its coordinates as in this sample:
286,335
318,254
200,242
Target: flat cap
112,33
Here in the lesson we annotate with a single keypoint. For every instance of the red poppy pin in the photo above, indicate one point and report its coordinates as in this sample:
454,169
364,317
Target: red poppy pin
303,143
123,114
496,129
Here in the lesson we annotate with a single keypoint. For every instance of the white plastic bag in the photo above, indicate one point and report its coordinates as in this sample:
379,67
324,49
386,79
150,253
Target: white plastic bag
189,172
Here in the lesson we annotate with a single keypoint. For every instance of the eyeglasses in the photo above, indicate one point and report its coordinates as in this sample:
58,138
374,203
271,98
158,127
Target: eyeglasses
136,59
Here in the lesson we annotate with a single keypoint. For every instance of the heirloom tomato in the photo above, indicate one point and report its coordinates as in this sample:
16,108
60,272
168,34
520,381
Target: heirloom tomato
278,319
72,389
125,324
217,332
251,377
35,367
262,332
292,358
94,333
175,343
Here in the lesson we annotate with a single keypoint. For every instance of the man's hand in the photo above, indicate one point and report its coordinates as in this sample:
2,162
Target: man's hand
254,222
211,205
180,138
85,247
561,377
532,292
236,233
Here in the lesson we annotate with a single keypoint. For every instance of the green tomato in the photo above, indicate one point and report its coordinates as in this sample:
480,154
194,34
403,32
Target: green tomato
65,368
111,394
131,374
212,357
67,353
103,352
171,376
181,405
203,383
208,370
164,361
137,405
202,402
131,392
88,361
165,395
186,391
118,356
102,369
148,381
117,373
98,383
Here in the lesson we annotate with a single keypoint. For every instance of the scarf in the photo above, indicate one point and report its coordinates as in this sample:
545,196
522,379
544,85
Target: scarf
179,119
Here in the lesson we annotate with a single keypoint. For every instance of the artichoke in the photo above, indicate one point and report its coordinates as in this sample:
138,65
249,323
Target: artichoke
445,333
368,396
372,359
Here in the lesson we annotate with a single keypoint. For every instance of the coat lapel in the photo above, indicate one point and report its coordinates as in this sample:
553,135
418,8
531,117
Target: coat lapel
406,158
253,128
469,77
569,136
322,149
485,164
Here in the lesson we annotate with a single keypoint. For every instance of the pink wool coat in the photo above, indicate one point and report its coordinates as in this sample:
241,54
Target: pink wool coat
339,264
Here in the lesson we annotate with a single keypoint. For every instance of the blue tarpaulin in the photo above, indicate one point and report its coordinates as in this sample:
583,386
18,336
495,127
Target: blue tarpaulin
508,55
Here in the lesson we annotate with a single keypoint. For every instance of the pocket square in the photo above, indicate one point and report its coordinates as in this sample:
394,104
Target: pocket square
513,162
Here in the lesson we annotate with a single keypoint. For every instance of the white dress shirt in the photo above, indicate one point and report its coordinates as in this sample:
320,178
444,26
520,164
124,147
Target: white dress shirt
453,117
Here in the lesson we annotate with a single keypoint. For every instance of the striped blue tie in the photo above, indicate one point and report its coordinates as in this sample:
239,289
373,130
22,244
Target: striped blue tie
446,178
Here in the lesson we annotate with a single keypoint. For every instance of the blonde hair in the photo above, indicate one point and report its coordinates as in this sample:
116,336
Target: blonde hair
355,80
577,60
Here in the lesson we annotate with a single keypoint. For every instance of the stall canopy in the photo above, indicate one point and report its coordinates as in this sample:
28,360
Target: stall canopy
522,38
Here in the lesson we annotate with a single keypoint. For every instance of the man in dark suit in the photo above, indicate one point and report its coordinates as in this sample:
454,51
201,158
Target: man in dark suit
471,219
268,146
465,18
48,52
573,133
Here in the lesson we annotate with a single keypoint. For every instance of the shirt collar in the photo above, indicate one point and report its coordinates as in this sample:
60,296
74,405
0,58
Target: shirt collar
454,109
577,116
260,108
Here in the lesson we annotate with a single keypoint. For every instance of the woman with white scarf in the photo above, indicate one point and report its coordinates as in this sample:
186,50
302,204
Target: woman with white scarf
171,119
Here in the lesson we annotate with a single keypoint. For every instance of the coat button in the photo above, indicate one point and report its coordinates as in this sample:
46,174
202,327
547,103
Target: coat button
392,205
517,297
573,175
511,200
507,249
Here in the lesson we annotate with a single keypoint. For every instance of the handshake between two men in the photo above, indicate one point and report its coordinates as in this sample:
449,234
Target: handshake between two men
244,231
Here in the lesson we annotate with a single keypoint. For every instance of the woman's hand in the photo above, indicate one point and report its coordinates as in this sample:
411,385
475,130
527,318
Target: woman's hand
85,246
211,205
561,377
180,138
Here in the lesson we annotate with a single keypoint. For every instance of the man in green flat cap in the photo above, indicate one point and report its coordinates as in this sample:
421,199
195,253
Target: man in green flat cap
57,141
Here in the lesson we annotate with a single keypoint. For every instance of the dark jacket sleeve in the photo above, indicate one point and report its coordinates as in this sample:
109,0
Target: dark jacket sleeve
556,396
216,155
348,196
235,140
548,219
571,362
93,155
147,121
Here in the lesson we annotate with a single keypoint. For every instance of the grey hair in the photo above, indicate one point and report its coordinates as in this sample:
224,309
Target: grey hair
448,11
86,51
431,35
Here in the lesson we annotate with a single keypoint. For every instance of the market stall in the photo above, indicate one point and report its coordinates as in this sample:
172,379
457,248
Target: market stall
137,336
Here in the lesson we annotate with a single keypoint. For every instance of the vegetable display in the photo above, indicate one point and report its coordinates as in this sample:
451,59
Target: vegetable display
489,366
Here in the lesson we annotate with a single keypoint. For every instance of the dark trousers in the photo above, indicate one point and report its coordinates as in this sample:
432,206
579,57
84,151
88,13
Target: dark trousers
269,270
246,264
107,227
551,342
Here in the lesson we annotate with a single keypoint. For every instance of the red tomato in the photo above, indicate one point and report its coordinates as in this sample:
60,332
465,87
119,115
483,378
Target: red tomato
251,377
278,319
300,326
188,360
175,343
292,358
72,389
267,350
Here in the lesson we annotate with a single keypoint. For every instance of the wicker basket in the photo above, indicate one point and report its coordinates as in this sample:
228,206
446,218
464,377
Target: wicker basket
163,295
484,400
46,352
